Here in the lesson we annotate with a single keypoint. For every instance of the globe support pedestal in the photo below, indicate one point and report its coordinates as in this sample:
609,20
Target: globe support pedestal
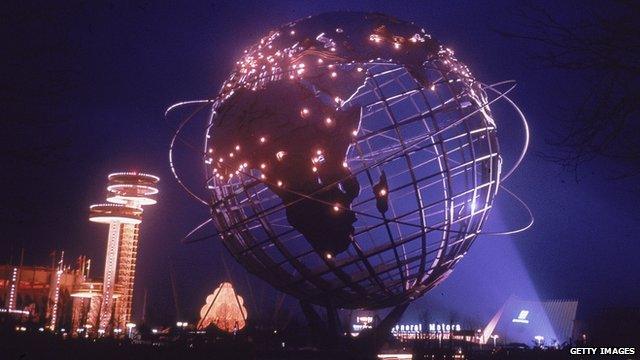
330,335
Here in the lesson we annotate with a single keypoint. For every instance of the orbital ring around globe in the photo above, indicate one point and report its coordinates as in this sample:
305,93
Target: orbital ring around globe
351,159
491,87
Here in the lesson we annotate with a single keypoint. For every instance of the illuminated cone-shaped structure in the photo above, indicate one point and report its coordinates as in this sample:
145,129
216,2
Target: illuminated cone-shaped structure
224,309
128,192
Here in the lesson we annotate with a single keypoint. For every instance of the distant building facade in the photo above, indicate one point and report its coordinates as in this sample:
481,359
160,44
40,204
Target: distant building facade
548,323
41,294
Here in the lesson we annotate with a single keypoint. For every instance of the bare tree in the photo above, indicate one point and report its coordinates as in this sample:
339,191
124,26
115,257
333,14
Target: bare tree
602,47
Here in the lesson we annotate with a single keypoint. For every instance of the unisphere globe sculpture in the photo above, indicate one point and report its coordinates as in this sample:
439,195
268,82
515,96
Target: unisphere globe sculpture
352,160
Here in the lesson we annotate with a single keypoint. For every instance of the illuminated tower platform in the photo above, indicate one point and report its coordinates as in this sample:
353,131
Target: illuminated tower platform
128,193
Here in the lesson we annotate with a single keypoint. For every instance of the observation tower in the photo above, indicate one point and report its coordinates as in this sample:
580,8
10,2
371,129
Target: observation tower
128,192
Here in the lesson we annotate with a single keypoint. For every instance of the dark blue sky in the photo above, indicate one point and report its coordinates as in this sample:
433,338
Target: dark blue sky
99,75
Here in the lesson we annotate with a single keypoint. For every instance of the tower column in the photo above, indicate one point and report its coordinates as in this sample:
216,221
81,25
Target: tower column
128,192
109,280
126,273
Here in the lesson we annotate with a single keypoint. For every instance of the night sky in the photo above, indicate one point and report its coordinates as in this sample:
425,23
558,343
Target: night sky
85,86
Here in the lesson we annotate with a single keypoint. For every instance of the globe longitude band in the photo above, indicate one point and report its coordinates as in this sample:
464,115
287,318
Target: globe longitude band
365,128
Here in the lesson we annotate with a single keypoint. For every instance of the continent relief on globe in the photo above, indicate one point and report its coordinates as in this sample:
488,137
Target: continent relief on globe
284,132
296,129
